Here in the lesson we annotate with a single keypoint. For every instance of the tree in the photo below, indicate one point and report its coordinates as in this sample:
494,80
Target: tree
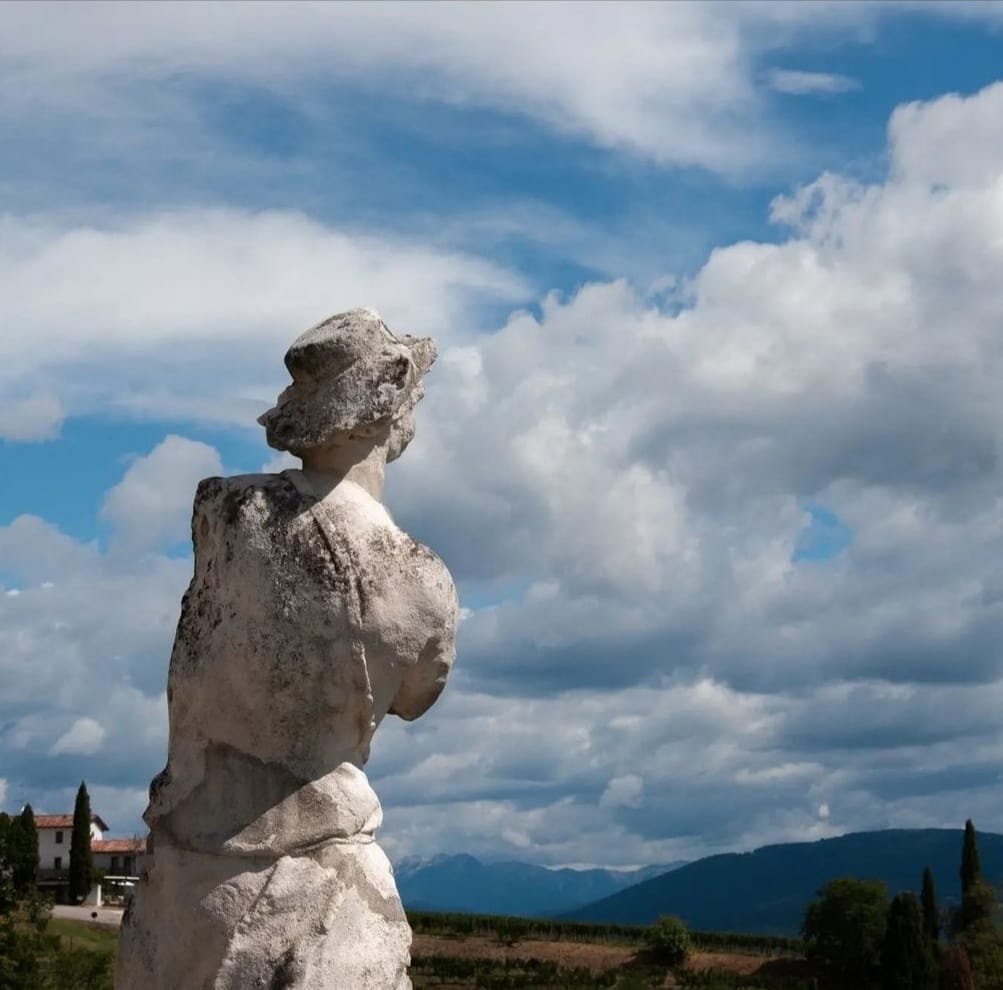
974,924
906,954
25,851
81,860
21,929
844,928
669,940
984,947
977,907
931,914
955,969
30,959
6,882
978,899
14,882
23,915
980,936
971,871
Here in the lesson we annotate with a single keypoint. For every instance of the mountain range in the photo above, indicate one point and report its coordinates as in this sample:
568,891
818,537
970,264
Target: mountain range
464,884
765,891
762,892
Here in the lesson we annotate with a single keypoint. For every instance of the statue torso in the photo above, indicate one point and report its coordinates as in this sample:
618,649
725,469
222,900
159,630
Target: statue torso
292,644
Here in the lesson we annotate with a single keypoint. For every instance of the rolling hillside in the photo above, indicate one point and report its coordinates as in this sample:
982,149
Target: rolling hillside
765,891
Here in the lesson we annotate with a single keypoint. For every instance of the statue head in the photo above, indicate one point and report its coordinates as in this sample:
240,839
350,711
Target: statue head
352,379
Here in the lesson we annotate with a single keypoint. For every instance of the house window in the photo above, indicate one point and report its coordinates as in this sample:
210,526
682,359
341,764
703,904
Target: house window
59,860
129,868
114,864
59,838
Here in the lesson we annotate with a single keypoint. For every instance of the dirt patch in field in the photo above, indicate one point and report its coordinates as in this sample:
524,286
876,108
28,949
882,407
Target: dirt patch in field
780,968
595,957
598,957
731,961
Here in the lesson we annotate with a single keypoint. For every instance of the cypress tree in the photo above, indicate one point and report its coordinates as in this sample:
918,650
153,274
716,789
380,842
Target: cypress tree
81,860
931,915
978,899
971,872
906,956
25,874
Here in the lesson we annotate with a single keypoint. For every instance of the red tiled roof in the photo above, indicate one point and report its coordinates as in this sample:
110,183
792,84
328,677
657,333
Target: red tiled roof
65,821
118,845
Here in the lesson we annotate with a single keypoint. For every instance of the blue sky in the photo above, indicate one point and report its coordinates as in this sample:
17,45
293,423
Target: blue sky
711,449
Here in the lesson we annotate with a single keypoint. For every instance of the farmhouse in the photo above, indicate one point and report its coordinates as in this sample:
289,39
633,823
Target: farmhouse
123,859
54,832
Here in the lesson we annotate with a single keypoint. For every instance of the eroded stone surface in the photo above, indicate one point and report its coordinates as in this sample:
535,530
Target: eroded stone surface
310,617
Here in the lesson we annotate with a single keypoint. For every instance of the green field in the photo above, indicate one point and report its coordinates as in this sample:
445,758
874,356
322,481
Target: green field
83,935
482,952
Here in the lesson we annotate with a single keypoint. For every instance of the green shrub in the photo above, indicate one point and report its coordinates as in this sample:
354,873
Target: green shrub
669,940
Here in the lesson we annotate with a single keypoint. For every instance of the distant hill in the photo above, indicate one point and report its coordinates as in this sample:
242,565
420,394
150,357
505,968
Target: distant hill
765,891
464,884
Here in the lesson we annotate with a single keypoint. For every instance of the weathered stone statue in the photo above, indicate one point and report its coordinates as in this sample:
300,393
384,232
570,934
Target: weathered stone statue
309,618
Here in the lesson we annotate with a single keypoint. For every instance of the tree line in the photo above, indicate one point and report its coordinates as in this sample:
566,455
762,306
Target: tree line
854,932
18,856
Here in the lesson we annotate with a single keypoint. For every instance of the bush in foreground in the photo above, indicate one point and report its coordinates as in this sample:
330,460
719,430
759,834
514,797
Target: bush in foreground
669,940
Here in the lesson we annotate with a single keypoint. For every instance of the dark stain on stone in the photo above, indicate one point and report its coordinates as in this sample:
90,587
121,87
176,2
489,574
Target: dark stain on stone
361,593
284,500
285,972
159,782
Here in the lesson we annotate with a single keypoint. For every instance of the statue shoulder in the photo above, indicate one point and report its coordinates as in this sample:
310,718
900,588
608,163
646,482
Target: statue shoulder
227,509
217,488
434,578
226,495
392,559
426,558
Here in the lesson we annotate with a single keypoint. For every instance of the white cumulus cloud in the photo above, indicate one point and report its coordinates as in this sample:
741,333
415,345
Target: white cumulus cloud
152,503
82,738
191,307
37,417
623,792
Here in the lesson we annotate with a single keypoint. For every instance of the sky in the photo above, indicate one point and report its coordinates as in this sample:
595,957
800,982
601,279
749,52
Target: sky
712,448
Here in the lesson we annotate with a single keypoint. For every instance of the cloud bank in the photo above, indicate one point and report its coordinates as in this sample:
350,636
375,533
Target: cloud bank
676,83
651,666
665,81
